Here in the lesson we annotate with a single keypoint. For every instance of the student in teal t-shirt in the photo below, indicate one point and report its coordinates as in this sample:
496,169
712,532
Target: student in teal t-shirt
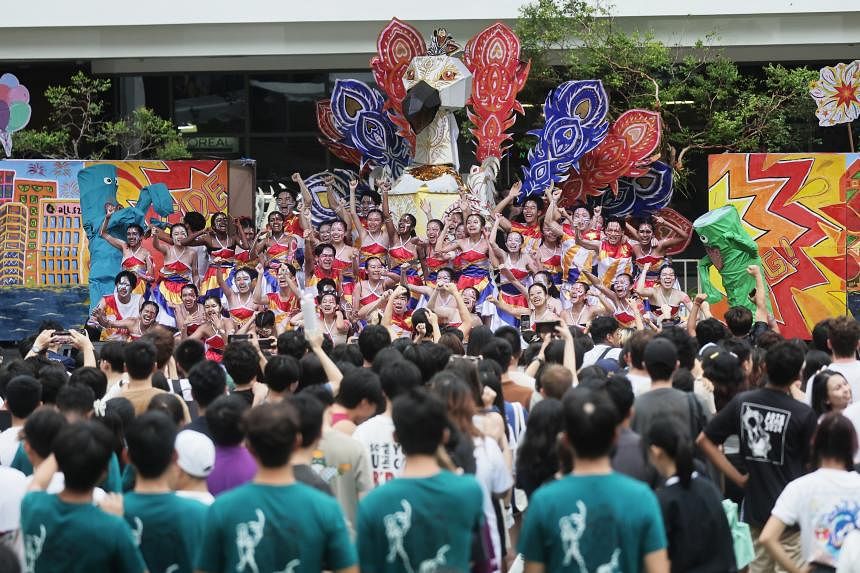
593,519
275,523
167,528
427,519
66,532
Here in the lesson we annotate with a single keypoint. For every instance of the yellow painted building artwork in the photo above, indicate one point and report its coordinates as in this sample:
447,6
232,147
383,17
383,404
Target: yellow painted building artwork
62,244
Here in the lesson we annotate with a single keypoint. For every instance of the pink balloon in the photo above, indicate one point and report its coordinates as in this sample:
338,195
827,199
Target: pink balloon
18,94
4,92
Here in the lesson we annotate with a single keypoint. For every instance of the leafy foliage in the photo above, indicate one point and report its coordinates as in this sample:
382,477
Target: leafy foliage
707,104
76,128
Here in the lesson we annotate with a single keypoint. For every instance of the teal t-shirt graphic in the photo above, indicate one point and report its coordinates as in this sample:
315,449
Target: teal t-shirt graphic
592,523
167,528
289,529
420,524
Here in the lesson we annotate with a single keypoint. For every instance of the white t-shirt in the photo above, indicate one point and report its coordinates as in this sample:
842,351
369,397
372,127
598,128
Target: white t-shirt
521,378
826,505
641,383
597,353
851,371
386,455
13,486
203,497
849,556
9,440
494,477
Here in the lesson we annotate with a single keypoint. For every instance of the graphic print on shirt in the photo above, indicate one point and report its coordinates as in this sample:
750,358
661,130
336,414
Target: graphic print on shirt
571,528
397,526
33,545
137,531
833,527
763,428
248,536
386,459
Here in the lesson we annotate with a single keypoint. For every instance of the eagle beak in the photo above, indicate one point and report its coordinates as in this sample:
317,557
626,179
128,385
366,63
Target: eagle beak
420,105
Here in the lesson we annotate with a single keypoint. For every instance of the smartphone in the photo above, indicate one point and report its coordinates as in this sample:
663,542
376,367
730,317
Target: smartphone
238,337
59,333
525,322
547,327
266,343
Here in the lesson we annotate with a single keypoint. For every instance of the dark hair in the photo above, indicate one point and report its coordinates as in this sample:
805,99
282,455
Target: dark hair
23,394
666,434
513,337
113,352
420,420
350,353
241,361
150,440
537,455
783,362
163,341
357,385
122,408
725,373
814,361
265,319
75,398
590,419
739,319
453,342
372,339
739,347
312,372
844,334
593,371
189,353
683,380
139,357
602,327
467,370
820,335
92,377
10,562
207,381
835,438
310,411
662,366
41,428
459,400
83,450
323,246
768,338
271,429
169,404
499,351
710,330
223,416
132,278
281,372
634,347
293,343
819,391
213,216
685,345
620,391
399,376
52,377
196,221
490,374
478,337
429,357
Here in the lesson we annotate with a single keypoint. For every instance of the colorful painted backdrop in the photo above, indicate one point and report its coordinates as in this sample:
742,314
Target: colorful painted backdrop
802,210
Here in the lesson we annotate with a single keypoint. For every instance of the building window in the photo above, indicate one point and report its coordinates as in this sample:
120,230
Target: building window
215,103
285,102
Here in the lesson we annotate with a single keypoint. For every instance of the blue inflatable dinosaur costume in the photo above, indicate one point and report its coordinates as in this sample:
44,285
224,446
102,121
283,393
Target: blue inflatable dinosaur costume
98,186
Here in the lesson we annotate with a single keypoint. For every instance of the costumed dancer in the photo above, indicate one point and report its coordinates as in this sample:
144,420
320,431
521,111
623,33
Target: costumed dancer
403,252
241,305
284,302
373,238
431,261
135,326
190,314
665,300
397,317
246,237
135,257
528,225
614,253
122,304
513,274
475,257
278,247
548,255
537,310
620,300
344,262
332,320
220,242
574,257
579,313
370,293
215,329
319,264
647,250
179,268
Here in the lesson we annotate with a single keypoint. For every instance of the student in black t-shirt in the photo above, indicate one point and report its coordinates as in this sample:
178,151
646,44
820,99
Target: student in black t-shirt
775,431
700,540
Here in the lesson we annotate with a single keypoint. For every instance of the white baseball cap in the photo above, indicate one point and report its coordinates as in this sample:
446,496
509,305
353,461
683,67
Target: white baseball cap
195,452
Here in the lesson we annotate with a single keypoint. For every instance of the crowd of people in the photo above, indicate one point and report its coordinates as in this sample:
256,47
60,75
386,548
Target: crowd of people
576,427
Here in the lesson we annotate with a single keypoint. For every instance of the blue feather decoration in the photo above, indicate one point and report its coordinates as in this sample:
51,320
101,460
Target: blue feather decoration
640,196
575,115
358,113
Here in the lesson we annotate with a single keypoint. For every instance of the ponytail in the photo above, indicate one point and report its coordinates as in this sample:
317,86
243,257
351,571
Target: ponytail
684,460
675,440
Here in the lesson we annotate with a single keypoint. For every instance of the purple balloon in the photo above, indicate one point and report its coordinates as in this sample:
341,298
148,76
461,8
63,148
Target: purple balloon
4,115
18,94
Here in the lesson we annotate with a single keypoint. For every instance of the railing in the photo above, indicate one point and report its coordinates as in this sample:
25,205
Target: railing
688,275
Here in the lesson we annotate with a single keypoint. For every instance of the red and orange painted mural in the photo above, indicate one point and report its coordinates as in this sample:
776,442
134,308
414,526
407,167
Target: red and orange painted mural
803,211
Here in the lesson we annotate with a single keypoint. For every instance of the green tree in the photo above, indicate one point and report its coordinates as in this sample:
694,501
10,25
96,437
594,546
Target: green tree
76,128
707,105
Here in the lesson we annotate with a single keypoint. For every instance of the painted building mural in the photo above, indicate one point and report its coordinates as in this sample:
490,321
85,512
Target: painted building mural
802,211
44,256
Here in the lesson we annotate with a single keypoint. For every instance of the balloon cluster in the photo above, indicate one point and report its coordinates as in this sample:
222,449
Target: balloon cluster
14,109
